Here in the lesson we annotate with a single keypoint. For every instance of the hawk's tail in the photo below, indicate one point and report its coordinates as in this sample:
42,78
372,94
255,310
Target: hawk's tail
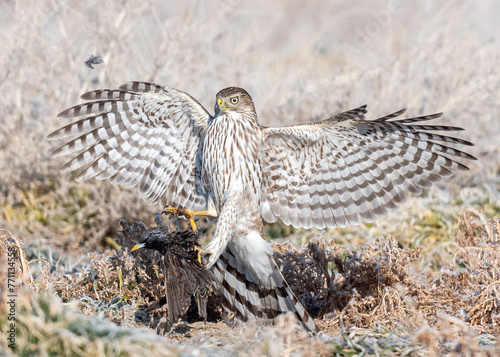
243,295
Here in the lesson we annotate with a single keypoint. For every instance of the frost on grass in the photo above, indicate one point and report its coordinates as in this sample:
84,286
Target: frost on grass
363,285
47,326
371,299
377,283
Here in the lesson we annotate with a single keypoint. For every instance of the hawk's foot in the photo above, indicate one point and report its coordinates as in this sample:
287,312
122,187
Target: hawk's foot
182,212
189,214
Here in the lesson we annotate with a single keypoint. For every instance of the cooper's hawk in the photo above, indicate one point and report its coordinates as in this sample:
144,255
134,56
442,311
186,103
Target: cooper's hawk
337,172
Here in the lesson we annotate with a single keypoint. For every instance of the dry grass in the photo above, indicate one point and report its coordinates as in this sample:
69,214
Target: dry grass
429,290
378,283
371,300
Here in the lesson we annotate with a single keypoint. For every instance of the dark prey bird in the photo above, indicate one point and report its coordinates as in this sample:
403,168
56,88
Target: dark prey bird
185,274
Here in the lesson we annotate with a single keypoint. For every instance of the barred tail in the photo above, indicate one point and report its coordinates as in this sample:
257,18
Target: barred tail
245,296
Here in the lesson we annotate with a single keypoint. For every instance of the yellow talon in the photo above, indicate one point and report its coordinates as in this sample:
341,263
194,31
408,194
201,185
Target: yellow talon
189,214
193,225
183,212
198,255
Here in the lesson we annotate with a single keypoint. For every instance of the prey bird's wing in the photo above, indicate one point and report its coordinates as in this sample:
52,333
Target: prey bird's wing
179,287
346,170
140,134
184,278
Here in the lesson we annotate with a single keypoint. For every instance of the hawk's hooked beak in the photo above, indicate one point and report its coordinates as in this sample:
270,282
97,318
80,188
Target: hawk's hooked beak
137,246
222,105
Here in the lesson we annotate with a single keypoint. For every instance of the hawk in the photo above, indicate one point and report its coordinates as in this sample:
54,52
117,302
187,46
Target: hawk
337,172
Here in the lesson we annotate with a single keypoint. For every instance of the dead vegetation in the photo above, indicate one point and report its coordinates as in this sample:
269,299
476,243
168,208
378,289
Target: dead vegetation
372,299
377,284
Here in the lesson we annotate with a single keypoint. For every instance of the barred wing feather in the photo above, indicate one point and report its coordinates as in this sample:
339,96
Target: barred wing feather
141,134
346,170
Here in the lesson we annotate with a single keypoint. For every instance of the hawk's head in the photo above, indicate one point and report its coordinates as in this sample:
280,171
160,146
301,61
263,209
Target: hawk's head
234,99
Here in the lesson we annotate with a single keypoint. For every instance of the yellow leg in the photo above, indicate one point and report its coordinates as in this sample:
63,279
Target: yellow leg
189,214
199,251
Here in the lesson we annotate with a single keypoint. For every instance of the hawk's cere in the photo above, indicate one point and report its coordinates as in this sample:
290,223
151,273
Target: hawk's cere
341,171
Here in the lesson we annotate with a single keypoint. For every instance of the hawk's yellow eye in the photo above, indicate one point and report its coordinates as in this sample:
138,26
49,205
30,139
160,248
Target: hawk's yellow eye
234,100
219,102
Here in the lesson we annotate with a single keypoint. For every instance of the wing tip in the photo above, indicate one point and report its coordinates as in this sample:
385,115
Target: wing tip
55,135
56,153
63,114
126,86
140,86
87,95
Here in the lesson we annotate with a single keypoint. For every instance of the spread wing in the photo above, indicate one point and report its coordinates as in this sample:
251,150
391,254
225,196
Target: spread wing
346,170
140,134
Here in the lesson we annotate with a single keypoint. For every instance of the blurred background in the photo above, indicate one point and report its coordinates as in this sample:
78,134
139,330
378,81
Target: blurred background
300,61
